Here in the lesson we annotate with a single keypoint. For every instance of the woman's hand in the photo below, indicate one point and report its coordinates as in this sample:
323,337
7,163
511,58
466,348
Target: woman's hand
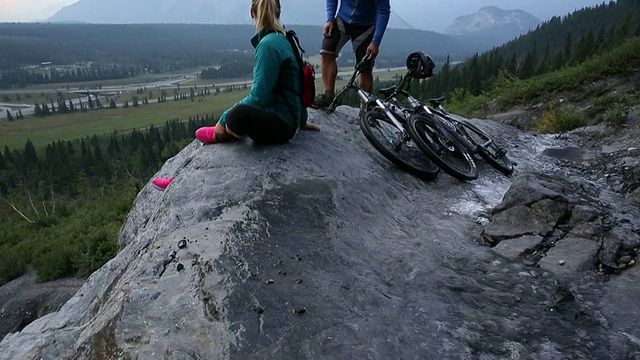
310,126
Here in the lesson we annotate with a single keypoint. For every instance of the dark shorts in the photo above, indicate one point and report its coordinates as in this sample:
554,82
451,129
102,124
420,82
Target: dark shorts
360,36
263,127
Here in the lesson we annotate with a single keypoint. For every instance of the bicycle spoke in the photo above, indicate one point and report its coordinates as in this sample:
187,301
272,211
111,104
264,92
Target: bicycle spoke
442,148
396,146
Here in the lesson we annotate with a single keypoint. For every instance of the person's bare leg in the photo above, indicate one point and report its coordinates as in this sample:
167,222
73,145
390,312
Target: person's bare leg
329,72
366,84
366,81
231,133
222,133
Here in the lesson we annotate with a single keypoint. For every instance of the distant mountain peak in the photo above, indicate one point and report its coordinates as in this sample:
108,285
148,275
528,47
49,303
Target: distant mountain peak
494,22
396,22
307,12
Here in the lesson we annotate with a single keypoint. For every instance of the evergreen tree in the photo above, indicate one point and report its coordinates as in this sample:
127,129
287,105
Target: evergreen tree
37,111
600,40
568,47
583,49
512,65
625,28
29,154
475,75
558,62
62,106
526,68
3,162
543,64
90,101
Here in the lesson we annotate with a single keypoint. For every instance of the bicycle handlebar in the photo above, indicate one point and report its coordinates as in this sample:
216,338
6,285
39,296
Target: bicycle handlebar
350,85
361,63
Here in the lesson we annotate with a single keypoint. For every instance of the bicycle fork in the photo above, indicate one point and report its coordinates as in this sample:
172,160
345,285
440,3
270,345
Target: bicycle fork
403,136
366,97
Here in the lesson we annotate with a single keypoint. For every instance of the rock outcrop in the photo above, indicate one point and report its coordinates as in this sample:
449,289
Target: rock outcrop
321,248
561,223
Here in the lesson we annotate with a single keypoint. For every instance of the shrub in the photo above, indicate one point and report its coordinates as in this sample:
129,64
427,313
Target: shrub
12,265
53,262
616,115
555,121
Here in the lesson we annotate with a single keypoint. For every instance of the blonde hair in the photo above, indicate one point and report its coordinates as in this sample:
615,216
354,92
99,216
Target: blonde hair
267,15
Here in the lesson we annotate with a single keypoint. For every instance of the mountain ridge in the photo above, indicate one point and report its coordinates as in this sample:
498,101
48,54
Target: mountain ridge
489,21
311,12
494,22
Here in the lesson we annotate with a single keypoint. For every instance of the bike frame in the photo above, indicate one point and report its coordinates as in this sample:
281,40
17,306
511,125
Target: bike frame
364,96
440,114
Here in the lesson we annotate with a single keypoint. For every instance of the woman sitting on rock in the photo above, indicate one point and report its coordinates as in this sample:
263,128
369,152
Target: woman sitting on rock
273,111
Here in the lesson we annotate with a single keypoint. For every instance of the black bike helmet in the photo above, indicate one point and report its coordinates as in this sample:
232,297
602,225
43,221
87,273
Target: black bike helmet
420,65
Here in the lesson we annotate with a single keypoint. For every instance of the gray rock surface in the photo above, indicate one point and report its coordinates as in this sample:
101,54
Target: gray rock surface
321,249
23,300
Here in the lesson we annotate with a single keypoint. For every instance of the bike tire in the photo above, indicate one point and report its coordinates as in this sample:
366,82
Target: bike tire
384,137
488,150
442,147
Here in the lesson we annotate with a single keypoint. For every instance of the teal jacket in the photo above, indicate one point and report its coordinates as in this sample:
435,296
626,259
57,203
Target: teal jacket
277,84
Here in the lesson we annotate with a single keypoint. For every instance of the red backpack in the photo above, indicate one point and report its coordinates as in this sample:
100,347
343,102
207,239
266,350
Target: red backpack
307,71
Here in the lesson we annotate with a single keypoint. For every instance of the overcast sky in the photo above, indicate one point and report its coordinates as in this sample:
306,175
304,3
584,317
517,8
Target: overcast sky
30,10
433,15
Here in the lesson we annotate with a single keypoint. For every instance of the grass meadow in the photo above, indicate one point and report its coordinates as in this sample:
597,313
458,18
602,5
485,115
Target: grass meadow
42,131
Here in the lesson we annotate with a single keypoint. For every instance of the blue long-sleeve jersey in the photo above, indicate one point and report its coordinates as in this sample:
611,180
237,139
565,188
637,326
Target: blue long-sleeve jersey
362,12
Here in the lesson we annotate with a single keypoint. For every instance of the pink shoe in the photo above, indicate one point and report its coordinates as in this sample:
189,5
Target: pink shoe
161,183
207,135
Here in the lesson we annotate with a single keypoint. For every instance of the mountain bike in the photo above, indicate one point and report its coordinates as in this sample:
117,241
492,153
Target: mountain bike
432,119
385,128
438,140
477,141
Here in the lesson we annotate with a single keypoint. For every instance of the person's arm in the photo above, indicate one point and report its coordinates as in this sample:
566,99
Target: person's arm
382,20
264,79
332,9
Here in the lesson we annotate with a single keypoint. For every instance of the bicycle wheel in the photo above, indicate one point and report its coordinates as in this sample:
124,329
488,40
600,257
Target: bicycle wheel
442,147
493,154
396,145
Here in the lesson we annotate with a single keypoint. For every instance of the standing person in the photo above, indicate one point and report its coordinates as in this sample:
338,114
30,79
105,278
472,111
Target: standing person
364,23
273,111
